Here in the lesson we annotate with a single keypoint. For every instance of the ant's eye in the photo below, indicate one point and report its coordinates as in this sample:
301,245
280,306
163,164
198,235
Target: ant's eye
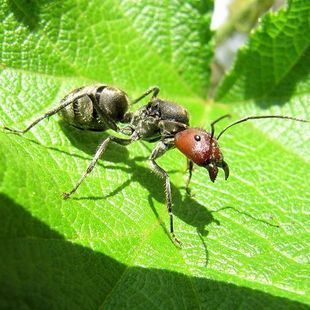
197,138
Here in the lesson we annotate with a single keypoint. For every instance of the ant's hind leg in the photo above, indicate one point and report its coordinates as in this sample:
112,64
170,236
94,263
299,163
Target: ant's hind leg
39,119
108,121
101,149
154,90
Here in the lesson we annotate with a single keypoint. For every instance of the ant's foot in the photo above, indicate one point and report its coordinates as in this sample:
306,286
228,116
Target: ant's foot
189,192
12,130
65,195
176,241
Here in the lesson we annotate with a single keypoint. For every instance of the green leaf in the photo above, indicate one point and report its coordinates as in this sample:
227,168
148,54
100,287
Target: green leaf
275,59
245,241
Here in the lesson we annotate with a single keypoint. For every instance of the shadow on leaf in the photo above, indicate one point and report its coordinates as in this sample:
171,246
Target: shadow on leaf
26,12
88,142
187,209
284,90
40,269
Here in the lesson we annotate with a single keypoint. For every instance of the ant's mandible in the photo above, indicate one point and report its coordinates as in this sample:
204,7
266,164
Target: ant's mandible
100,107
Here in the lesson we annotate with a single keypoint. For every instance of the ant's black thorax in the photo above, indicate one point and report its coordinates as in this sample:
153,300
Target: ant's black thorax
151,121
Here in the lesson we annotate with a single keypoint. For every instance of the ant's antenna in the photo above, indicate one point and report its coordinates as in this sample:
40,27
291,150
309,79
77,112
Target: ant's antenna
214,122
260,117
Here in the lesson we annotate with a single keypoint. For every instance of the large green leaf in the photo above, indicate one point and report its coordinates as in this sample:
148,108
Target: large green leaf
244,241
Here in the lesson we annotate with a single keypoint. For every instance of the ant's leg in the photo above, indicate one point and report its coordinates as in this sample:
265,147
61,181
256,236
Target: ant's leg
47,114
159,150
190,166
154,90
101,149
108,121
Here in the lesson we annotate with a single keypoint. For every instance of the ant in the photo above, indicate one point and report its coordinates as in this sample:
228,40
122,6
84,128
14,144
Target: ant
101,107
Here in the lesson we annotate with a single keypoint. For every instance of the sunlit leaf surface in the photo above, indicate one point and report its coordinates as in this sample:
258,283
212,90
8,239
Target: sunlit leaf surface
245,240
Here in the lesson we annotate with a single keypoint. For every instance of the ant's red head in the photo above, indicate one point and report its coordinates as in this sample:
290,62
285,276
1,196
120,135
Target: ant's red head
201,148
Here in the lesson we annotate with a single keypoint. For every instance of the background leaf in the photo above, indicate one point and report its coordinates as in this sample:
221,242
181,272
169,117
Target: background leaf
108,246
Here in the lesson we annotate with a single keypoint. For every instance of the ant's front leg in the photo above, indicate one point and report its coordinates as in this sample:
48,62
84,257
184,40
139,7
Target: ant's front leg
101,149
159,150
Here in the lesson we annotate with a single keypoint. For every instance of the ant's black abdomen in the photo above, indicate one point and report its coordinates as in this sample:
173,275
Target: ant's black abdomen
96,107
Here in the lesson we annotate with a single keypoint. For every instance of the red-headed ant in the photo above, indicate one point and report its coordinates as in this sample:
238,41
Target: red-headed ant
99,107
